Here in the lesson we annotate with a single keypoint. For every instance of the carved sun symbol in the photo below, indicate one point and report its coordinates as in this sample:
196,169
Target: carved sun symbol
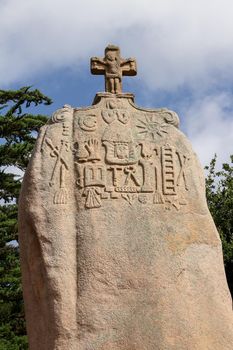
149,127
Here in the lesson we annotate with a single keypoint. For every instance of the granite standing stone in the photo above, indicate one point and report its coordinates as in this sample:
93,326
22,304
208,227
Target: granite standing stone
118,248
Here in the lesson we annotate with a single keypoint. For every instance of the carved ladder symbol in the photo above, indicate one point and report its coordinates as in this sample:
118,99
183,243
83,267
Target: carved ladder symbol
168,170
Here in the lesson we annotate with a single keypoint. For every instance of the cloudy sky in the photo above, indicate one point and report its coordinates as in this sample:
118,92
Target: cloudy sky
184,52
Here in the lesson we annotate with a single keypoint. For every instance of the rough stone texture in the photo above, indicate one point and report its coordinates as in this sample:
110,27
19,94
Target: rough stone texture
118,248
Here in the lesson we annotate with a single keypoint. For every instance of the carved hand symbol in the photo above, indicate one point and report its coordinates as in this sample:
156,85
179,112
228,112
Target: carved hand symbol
92,148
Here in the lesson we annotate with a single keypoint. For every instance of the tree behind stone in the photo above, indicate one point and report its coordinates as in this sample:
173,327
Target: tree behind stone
18,130
219,191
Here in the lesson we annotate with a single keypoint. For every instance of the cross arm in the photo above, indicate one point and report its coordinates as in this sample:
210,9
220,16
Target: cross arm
97,66
129,67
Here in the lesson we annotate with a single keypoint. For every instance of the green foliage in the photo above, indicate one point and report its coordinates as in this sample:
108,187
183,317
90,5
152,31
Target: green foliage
9,341
219,191
18,131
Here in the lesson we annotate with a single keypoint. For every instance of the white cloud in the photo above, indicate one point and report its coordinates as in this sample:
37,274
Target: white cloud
209,125
176,42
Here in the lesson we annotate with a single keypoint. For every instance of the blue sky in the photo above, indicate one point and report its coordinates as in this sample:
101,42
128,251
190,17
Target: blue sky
184,52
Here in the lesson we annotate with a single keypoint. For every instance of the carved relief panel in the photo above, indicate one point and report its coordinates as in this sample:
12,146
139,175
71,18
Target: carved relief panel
124,154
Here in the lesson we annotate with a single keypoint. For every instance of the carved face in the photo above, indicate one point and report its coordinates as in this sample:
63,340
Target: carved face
110,56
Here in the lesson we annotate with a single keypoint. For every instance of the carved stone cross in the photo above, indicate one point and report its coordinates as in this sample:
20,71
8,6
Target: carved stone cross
113,67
